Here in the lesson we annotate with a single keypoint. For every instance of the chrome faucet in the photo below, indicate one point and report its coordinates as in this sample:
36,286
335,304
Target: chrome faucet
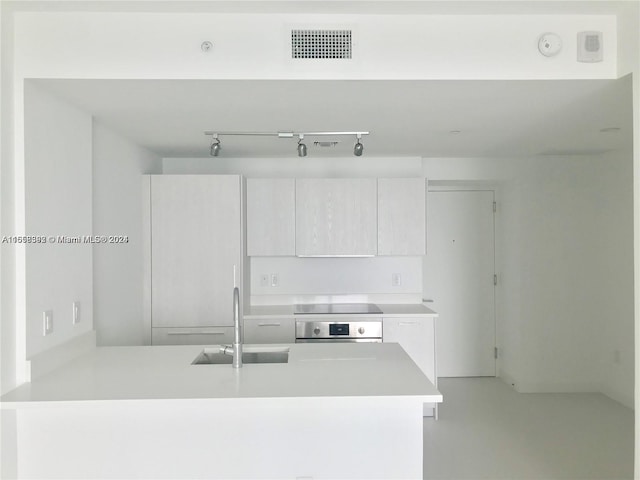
236,350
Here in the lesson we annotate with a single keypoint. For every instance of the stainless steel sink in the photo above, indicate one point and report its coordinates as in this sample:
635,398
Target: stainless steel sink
213,357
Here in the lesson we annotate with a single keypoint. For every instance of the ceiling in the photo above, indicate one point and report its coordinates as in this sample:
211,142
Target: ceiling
448,7
406,118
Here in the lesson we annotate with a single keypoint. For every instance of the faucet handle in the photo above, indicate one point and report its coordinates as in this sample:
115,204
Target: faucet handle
226,349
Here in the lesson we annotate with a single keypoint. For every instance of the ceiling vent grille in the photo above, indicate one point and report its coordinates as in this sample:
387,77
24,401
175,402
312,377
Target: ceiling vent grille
321,44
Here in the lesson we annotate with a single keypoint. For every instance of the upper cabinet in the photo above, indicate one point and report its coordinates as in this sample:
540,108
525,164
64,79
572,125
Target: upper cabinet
196,244
271,216
336,217
401,216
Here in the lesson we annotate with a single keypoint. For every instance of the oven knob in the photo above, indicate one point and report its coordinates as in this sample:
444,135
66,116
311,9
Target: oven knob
316,331
361,330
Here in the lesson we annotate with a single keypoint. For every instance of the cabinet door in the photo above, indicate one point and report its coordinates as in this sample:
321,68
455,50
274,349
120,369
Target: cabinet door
277,330
401,216
271,217
195,248
417,337
336,217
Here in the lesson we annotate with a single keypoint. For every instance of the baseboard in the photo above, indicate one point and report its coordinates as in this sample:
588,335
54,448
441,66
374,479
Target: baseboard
624,398
51,359
559,387
620,397
509,380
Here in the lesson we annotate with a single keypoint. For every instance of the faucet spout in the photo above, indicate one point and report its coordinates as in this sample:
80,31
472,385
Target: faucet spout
236,348
237,333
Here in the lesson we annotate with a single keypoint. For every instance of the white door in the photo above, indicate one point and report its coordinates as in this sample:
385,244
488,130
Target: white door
459,273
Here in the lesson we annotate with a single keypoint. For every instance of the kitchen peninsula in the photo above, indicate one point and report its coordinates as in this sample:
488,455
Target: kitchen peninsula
333,410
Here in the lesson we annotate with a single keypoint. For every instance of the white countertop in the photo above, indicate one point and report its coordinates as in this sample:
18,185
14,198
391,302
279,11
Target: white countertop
166,372
254,312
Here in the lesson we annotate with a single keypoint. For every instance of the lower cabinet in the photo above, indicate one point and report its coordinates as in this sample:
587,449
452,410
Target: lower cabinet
418,338
273,330
192,335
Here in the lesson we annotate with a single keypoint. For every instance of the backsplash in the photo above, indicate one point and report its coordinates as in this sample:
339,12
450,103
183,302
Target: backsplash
300,280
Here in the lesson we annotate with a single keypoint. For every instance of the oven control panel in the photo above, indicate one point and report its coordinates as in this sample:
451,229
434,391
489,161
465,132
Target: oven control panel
339,329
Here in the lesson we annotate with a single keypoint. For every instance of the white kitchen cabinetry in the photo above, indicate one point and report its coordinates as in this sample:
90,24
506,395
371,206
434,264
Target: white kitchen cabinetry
271,217
196,252
336,217
401,216
417,336
272,330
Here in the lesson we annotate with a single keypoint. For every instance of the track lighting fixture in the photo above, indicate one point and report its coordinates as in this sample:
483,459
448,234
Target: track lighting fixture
214,150
358,147
301,148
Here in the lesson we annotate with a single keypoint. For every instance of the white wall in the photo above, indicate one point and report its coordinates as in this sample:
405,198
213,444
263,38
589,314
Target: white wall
58,203
298,167
561,299
629,62
613,274
117,210
335,280
8,366
566,291
167,45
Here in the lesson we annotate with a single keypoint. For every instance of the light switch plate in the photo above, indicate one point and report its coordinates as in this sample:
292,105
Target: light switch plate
76,312
47,322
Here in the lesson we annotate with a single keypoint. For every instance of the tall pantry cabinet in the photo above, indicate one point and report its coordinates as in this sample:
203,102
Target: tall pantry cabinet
195,257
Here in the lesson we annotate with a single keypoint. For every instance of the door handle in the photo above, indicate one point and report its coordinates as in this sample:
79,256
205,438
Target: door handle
195,333
427,300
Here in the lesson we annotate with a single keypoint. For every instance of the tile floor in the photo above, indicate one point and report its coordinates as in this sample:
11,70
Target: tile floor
487,430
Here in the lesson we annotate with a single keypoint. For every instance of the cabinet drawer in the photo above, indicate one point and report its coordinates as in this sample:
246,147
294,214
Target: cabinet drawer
276,330
191,335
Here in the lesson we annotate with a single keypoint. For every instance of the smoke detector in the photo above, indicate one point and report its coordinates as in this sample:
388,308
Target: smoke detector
549,44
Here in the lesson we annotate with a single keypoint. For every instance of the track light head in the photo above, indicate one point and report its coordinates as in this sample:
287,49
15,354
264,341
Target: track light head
215,146
358,148
302,148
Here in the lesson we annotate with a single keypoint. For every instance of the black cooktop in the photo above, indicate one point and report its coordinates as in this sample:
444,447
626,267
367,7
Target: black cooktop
335,308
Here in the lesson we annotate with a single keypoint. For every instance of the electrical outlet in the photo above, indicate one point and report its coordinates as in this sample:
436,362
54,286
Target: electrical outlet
47,322
264,280
76,312
275,281
396,279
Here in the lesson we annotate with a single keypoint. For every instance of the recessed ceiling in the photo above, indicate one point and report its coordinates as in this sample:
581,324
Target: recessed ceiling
406,118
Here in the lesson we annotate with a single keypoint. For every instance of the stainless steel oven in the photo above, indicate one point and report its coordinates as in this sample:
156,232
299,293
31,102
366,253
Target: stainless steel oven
339,330
328,323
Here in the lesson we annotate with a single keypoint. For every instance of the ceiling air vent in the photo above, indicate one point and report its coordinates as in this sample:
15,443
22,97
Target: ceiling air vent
321,44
